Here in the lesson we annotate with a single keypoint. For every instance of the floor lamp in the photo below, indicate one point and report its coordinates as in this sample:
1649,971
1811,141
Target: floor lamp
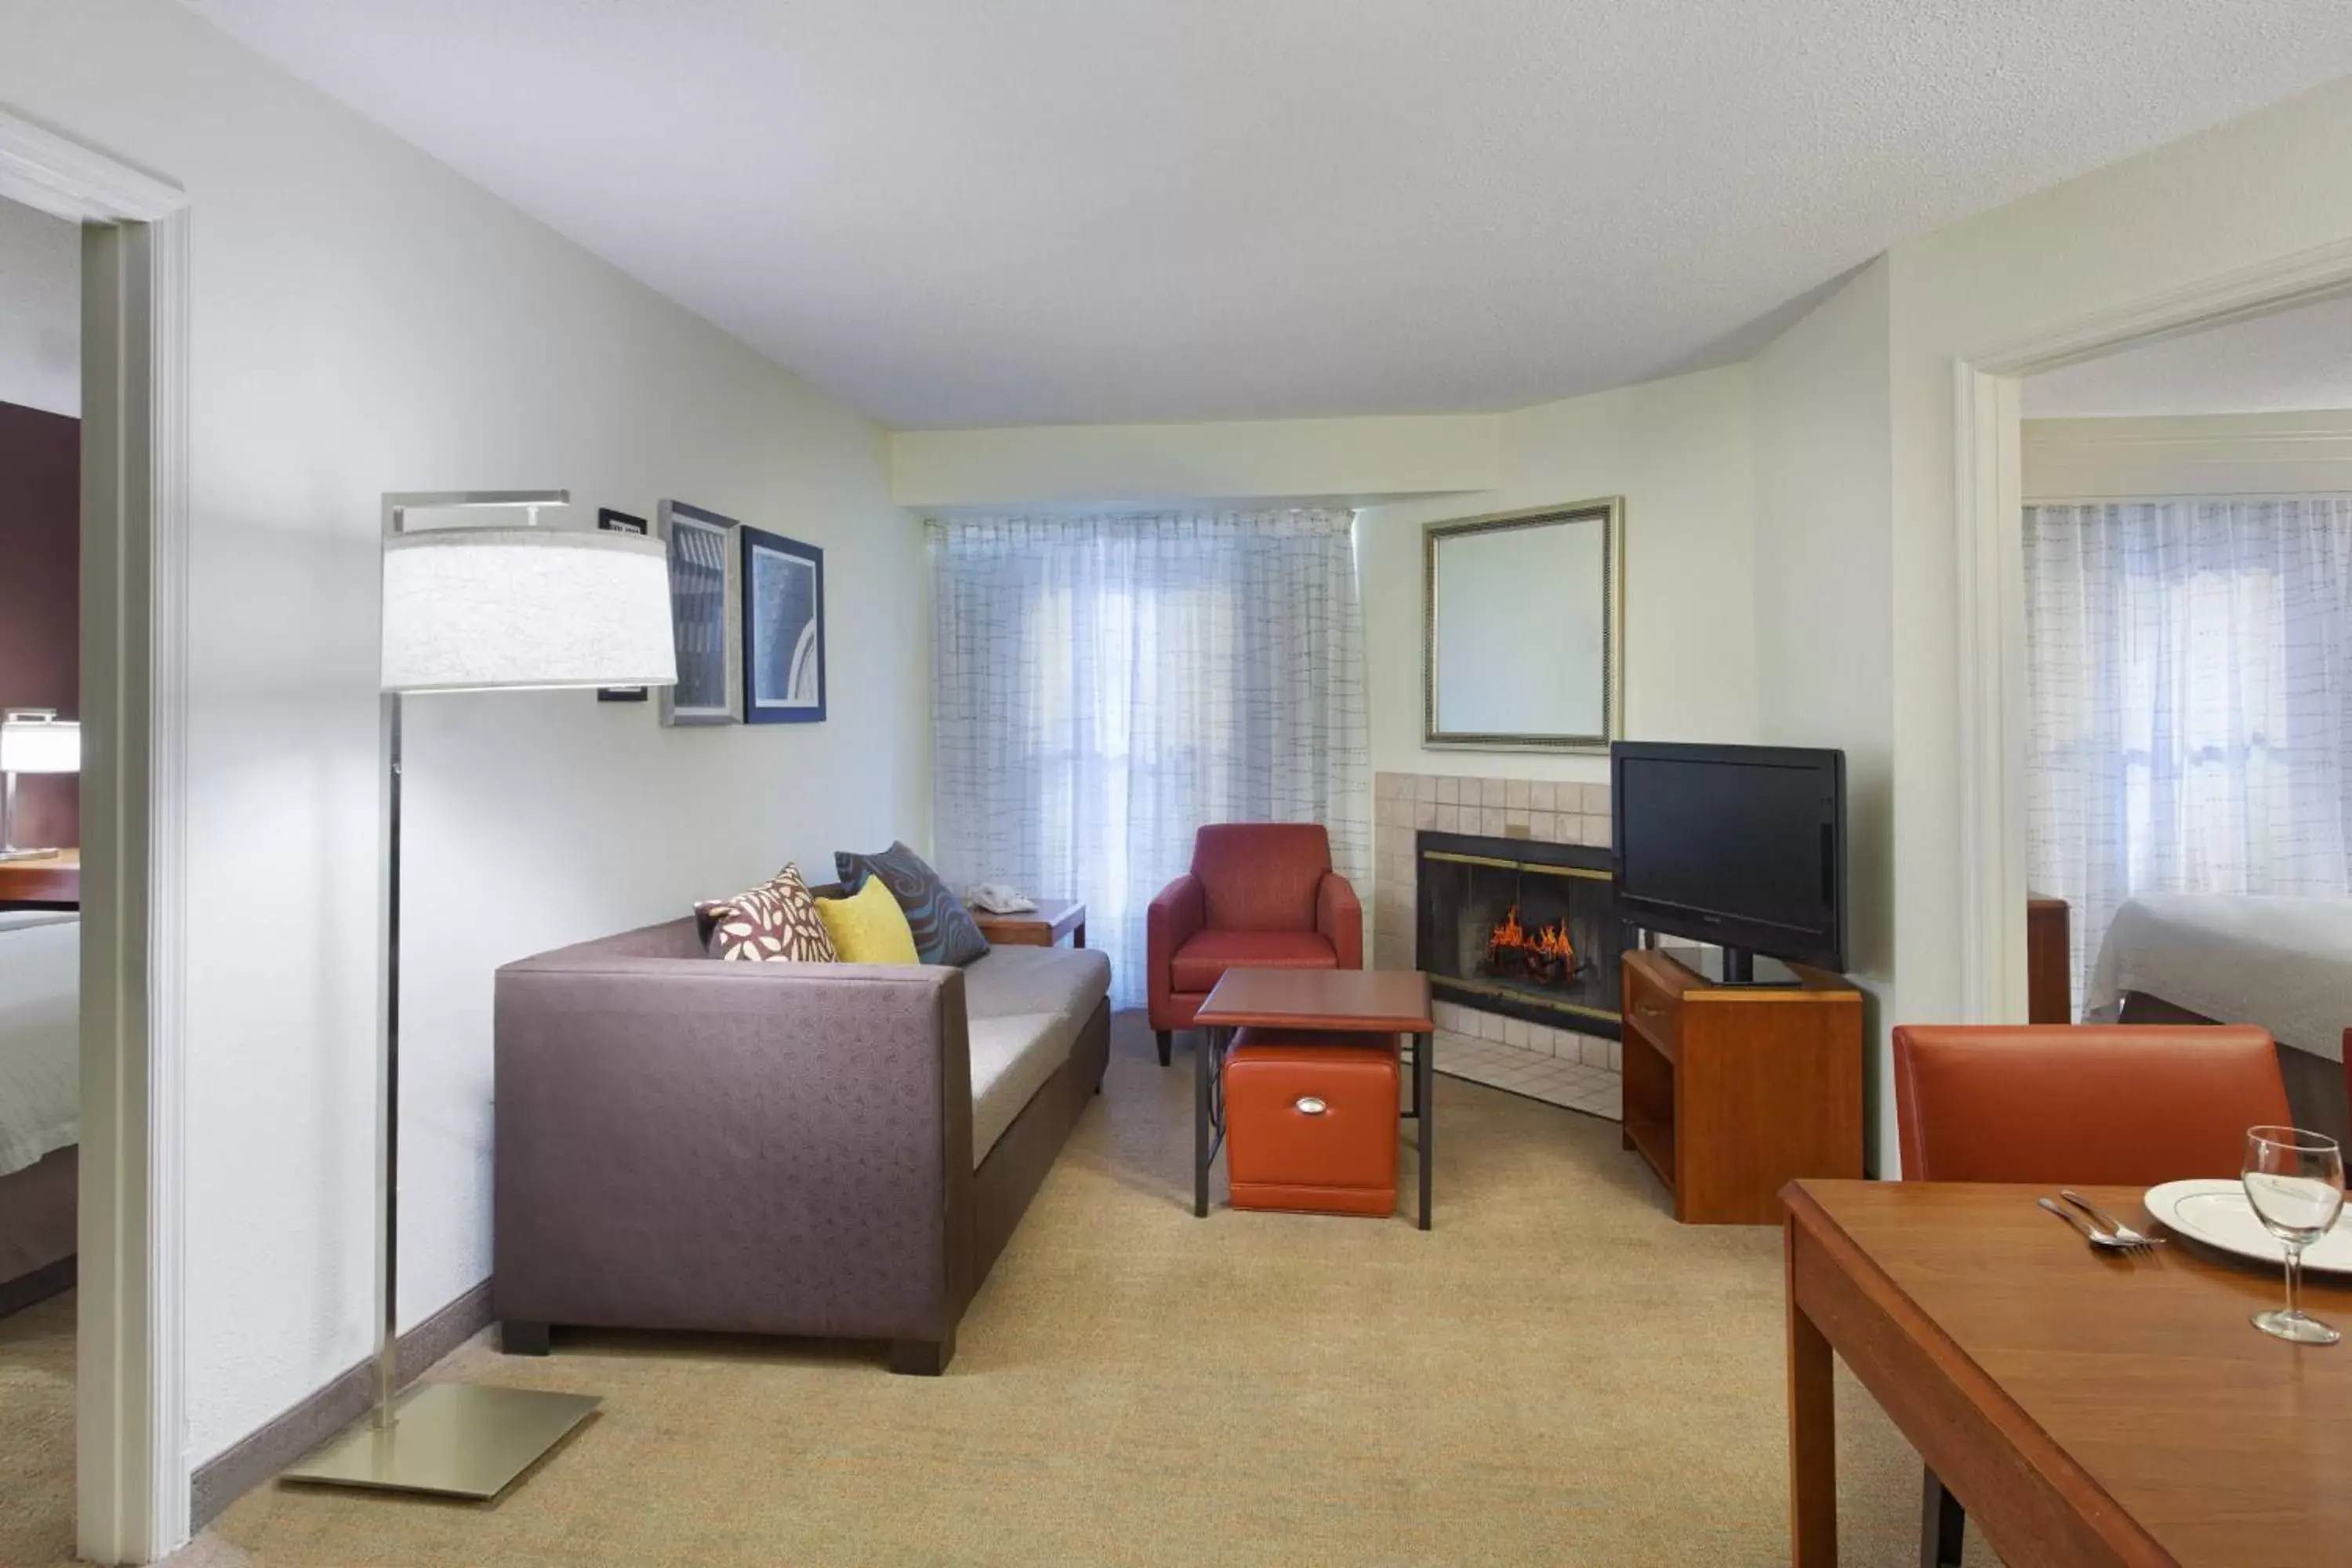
480,609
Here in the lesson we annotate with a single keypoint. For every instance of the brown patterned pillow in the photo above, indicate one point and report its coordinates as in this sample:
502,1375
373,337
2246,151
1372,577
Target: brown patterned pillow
778,920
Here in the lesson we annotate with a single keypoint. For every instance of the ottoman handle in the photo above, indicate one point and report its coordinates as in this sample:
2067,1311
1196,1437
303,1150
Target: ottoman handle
1308,1105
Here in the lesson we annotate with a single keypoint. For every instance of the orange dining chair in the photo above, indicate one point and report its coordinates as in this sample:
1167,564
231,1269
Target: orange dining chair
2130,1105
2124,1105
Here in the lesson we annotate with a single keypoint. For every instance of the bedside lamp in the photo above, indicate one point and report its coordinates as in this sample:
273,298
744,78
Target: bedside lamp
480,609
32,740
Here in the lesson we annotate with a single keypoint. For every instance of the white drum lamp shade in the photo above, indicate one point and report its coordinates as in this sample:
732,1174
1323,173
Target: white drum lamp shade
477,609
38,741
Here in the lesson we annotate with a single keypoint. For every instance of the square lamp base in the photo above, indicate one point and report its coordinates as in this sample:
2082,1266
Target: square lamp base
449,1439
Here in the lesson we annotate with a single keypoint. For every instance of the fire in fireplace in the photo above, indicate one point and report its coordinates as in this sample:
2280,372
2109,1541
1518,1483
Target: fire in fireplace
1542,953
1520,927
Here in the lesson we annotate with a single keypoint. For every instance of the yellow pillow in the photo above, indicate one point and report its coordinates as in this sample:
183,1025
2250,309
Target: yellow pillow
869,927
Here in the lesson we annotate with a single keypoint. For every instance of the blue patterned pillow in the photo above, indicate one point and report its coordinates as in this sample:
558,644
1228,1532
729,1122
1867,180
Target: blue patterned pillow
944,932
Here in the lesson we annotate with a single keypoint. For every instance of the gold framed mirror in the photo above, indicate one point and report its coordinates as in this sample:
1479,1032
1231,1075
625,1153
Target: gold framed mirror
1523,621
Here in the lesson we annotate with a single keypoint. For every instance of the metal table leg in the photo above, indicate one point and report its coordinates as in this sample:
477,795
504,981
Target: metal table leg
1424,1080
1200,1049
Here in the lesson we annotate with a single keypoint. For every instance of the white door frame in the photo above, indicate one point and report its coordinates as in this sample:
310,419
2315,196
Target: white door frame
1989,498
131,1459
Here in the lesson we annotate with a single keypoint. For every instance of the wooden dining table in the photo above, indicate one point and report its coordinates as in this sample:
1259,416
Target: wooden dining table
2083,1407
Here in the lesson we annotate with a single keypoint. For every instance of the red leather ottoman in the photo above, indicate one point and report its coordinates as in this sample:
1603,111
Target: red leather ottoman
1311,1122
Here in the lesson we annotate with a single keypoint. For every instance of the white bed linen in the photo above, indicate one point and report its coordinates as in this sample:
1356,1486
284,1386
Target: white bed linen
40,1039
2236,958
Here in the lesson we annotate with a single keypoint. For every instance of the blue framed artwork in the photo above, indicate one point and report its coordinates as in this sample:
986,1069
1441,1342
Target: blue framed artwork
783,630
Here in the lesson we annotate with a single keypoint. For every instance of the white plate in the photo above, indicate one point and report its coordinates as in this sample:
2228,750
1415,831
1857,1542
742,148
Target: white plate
2218,1214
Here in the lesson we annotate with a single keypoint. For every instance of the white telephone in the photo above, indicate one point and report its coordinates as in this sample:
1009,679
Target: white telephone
999,899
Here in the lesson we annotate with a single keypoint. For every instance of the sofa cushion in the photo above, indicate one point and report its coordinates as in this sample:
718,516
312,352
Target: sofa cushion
775,920
944,931
1202,960
869,927
1028,1006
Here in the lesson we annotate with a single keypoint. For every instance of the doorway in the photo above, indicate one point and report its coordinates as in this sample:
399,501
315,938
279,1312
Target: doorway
40,928
1998,734
130,1477
2188,575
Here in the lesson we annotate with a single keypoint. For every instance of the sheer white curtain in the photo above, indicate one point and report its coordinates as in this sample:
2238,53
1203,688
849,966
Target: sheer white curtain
1105,685
2190,667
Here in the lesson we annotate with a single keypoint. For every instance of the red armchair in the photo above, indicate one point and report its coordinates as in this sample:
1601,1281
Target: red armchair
1260,895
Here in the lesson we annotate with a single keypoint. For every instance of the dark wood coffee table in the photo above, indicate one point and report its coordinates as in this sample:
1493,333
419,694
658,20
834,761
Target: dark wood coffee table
1350,1001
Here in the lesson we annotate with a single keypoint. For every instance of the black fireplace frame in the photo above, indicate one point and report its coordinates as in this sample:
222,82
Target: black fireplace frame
1583,862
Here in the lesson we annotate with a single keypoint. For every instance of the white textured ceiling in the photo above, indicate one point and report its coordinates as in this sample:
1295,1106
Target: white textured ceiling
963,212
2292,359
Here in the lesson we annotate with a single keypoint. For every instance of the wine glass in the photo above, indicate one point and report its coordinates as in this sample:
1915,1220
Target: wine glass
2295,1182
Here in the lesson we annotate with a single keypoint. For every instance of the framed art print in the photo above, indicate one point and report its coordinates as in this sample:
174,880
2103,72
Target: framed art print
613,521
704,597
783,630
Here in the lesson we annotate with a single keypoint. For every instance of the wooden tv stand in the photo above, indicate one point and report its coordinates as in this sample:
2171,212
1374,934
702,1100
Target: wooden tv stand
1731,1092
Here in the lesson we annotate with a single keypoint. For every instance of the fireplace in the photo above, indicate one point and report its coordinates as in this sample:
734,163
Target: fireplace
1520,927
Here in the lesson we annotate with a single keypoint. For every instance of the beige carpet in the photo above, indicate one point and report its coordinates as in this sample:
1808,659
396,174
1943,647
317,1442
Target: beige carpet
1558,1374
37,1434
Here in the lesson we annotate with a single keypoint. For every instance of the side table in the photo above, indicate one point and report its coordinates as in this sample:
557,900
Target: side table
1043,926
1340,1002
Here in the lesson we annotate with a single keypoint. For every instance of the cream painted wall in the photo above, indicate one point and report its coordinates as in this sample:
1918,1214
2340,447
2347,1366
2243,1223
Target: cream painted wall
1262,460
1823,620
363,319
40,310
2255,191
1679,451
2302,453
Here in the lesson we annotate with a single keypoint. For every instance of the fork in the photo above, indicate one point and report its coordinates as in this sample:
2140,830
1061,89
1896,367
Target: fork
2123,1232
2090,1232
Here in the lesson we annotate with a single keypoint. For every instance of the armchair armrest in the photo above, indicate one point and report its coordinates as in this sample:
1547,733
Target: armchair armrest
769,1148
1339,919
1175,916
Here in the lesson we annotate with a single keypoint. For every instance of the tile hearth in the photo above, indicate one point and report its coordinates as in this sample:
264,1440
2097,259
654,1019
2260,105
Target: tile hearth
1577,1072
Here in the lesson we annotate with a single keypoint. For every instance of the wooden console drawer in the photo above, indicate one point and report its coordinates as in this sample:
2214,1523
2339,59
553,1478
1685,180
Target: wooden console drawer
1650,1006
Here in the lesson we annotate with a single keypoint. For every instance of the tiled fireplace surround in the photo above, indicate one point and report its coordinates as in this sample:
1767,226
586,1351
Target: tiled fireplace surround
1567,1068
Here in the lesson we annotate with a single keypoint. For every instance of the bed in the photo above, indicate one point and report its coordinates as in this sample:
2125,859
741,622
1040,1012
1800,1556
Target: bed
2283,963
40,1103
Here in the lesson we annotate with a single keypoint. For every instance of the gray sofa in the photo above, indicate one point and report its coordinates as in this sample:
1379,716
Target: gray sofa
838,1149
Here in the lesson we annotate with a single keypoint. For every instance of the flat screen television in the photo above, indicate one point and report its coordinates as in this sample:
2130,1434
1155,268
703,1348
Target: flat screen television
1741,846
